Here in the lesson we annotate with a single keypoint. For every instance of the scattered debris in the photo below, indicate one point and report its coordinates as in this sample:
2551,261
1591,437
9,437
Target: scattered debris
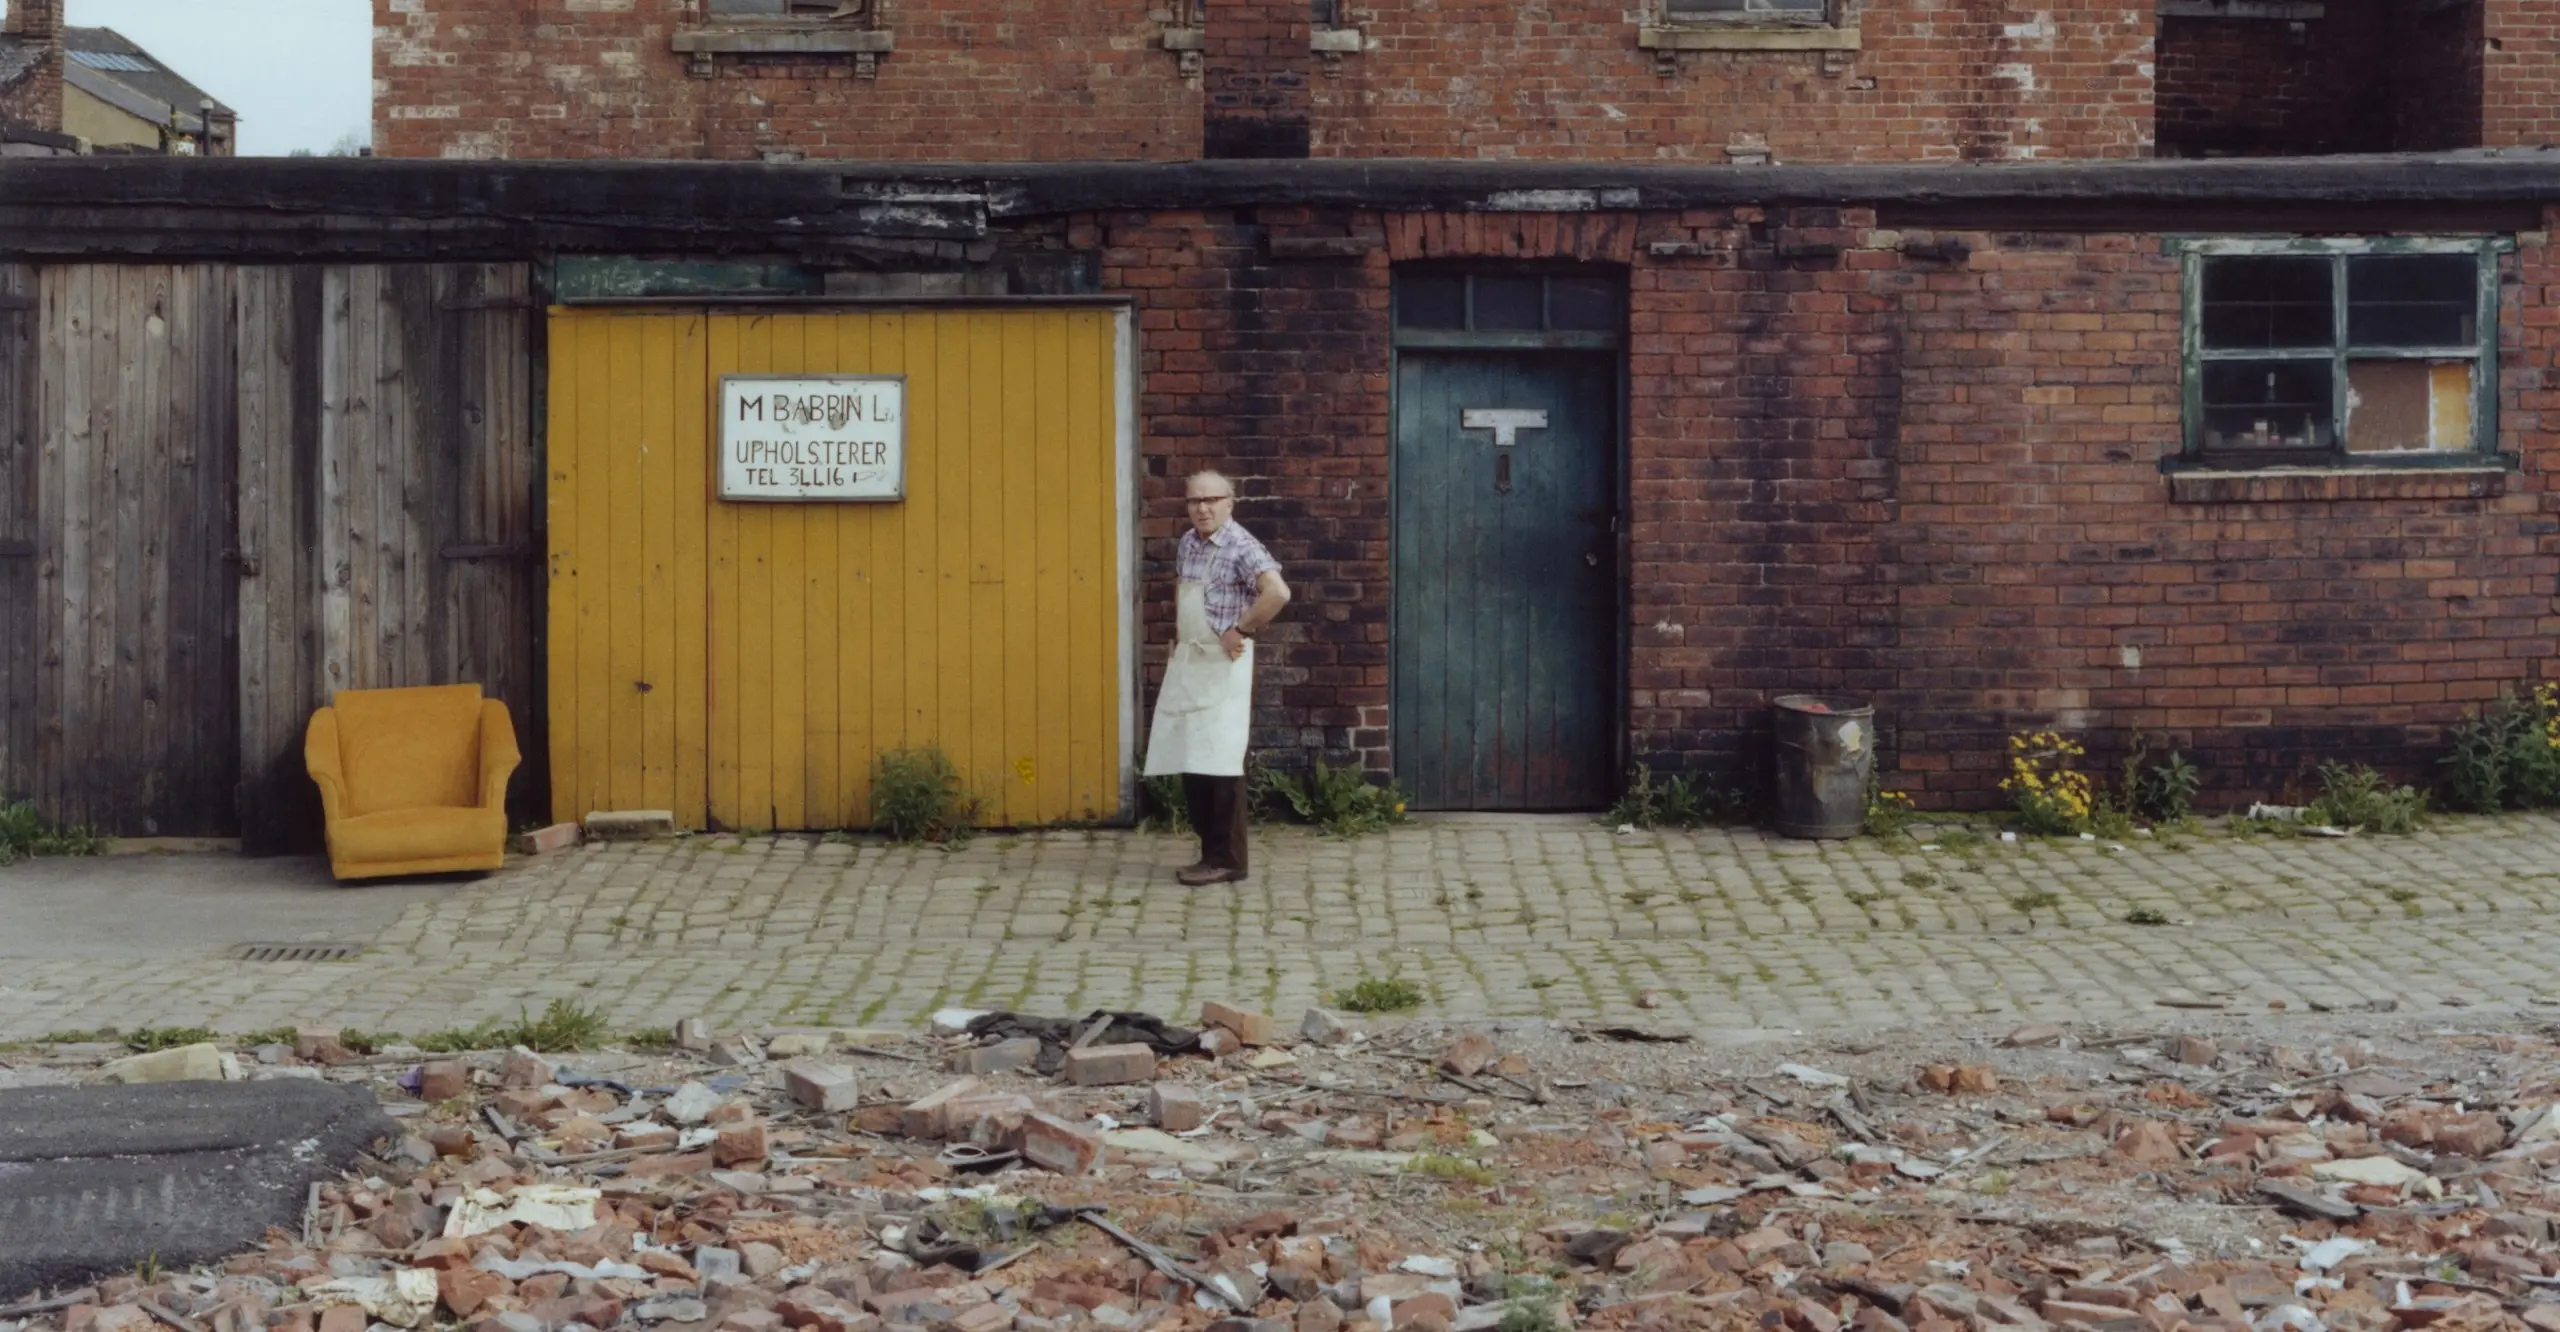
1421,1175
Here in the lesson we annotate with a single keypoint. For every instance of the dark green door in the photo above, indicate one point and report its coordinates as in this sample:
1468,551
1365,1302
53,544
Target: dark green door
1506,579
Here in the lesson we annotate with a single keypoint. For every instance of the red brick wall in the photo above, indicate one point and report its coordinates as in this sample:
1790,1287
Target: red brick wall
2520,74
970,79
1969,79
2439,64
991,80
1966,507
35,100
2252,87
1917,467
1254,75
1274,372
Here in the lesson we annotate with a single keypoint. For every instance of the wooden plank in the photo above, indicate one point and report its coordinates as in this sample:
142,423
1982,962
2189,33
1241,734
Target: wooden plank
273,692
1046,538
212,628
947,510
20,424
122,356
626,608
1091,627
1016,461
659,339
755,621
164,533
63,368
882,644
725,674
981,741
920,721
341,423
813,578
563,474
502,355
786,556
853,591
596,534
690,519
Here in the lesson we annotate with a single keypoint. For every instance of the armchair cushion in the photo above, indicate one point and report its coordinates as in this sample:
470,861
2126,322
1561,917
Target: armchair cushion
406,748
427,833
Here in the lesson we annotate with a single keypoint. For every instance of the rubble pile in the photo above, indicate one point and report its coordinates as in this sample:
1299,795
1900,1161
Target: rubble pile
1115,1172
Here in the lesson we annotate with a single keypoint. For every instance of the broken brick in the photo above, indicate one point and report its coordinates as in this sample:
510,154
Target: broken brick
827,1088
926,1117
1054,1144
1176,1109
1250,1027
1107,1065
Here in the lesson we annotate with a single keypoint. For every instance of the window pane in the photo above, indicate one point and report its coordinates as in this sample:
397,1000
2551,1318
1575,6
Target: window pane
2397,406
1432,300
1320,13
750,7
2267,405
2251,301
1505,303
1586,304
1716,8
2413,300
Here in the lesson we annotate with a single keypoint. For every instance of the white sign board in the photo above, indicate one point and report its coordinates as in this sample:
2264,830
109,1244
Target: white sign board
813,437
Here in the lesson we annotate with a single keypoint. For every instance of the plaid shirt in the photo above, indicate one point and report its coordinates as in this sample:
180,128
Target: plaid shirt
1226,566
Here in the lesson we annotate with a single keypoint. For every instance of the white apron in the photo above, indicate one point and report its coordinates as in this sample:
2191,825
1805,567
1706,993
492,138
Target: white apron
1206,706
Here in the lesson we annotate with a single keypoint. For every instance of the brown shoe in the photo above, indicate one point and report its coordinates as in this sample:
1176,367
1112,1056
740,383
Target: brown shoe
1201,876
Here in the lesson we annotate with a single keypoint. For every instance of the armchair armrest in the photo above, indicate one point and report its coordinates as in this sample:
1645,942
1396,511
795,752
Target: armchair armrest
320,757
499,755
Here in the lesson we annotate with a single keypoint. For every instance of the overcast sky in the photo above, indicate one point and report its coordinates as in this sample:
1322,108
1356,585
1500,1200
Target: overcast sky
299,72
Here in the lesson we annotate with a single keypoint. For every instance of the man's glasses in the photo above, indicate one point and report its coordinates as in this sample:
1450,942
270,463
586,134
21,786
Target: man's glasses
1206,499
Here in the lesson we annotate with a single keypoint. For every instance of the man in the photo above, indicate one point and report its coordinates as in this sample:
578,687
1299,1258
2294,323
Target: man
1228,589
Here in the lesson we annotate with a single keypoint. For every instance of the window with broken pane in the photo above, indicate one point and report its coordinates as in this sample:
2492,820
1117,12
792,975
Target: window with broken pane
781,8
1747,11
2332,351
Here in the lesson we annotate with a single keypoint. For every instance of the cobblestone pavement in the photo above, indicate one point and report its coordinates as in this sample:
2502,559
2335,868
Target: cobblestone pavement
1495,916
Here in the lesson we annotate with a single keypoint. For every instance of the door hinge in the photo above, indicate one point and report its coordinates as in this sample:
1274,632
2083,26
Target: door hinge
502,550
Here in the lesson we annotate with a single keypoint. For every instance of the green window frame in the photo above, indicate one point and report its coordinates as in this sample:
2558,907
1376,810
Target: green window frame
2339,352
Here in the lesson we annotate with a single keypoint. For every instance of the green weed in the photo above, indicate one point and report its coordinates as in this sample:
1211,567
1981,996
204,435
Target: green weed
1456,1169
1164,807
2162,792
917,796
2145,916
2509,756
1672,802
147,1039
1341,801
2356,797
1393,995
24,833
1889,813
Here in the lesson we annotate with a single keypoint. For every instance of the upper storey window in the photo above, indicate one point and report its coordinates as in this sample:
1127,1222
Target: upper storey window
1755,13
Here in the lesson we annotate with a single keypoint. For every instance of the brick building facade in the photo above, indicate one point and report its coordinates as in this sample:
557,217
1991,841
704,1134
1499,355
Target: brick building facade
1990,464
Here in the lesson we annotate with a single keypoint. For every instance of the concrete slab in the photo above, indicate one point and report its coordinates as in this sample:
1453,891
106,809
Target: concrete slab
94,1180
159,905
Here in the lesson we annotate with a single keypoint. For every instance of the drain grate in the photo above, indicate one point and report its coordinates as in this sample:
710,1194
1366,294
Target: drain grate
296,952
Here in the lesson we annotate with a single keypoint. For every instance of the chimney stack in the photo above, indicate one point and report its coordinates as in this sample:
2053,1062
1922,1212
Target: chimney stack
39,19
35,100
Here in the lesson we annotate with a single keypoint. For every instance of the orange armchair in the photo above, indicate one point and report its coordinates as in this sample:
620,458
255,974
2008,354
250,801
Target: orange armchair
413,781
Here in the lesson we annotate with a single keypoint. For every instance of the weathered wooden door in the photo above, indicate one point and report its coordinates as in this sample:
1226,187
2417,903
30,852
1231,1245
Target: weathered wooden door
1506,578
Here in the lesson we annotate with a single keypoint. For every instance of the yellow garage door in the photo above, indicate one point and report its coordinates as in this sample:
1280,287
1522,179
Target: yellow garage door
742,663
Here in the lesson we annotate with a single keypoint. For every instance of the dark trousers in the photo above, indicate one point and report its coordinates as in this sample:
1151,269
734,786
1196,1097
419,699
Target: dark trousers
1217,814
